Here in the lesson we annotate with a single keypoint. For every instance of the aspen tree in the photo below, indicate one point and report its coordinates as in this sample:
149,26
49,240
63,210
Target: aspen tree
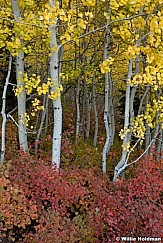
3,112
22,95
57,107
126,140
144,45
108,96
94,82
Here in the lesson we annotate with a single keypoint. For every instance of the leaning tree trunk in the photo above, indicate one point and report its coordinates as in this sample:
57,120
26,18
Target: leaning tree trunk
22,96
3,112
126,124
54,65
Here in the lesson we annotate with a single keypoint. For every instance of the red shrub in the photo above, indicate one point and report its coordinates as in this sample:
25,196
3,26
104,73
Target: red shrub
16,211
78,206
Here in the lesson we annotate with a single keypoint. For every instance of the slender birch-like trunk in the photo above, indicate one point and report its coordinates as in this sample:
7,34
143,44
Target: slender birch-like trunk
95,110
22,96
83,98
129,113
126,124
106,122
142,100
57,107
47,104
77,111
89,98
156,131
108,95
132,97
77,97
134,89
3,112
148,132
111,116
94,85
132,113
42,122
46,119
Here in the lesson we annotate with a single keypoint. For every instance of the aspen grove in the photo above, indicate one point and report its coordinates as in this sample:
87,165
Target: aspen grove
81,120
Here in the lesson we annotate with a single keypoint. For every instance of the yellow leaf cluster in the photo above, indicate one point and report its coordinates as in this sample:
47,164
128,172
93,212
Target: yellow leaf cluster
153,76
126,146
89,3
36,106
62,15
64,77
106,65
24,119
114,5
124,132
152,109
67,36
133,51
13,45
138,127
49,13
82,23
54,95
123,31
31,83
44,88
18,89
89,15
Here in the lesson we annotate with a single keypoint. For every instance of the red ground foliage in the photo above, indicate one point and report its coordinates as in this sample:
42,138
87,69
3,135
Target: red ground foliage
39,204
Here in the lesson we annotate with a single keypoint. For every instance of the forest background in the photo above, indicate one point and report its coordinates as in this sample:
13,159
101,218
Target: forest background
81,105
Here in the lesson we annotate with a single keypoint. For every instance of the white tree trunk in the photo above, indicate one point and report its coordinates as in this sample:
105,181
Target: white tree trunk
107,115
57,132
42,122
108,119
22,96
126,125
111,116
95,109
94,81
132,113
145,96
3,112
89,104
46,120
82,130
21,103
77,111
107,123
